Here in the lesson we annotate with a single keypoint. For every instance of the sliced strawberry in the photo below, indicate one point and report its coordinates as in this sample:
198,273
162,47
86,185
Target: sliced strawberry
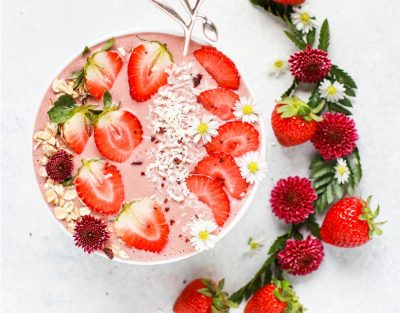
101,69
147,69
210,192
117,134
219,66
222,167
141,224
99,185
76,131
235,138
219,101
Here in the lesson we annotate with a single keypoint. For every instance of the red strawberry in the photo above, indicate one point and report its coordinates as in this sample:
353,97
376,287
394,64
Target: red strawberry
100,70
99,185
234,138
219,101
350,223
222,167
219,66
294,122
141,224
117,133
210,192
147,69
203,296
265,300
289,2
76,131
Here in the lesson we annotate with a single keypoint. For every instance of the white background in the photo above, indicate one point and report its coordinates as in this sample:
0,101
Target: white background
41,269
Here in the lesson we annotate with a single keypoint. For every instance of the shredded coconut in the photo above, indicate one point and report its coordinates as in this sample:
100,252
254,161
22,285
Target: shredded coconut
171,115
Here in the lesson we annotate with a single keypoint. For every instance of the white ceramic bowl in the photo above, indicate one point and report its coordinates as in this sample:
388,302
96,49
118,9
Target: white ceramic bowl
250,196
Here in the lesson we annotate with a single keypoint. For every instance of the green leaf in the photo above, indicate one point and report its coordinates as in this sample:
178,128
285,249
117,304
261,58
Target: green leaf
288,92
107,100
322,181
354,162
278,244
350,92
334,107
324,36
85,51
311,37
315,98
342,77
78,78
108,44
300,44
62,110
313,226
274,8
338,189
346,102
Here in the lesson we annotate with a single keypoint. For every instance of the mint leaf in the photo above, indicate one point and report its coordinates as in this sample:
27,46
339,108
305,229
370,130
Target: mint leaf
78,78
324,36
108,45
107,100
62,110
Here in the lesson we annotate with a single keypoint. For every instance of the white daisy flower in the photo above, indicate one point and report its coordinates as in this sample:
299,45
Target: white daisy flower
342,171
204,129
278,66
254,245
303,20
246,110
252,167
201,231
332,92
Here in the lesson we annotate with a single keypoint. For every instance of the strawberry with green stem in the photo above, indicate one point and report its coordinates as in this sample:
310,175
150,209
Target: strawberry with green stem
294,122
74,120
350,223
276,297
116,132
203,296
100,70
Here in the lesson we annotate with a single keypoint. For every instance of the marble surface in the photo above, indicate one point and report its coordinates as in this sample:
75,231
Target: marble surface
41,270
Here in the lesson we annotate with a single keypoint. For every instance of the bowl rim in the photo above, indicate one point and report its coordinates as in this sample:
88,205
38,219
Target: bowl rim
250,196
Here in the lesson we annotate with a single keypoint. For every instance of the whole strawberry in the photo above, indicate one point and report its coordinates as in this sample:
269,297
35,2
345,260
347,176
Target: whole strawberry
294,122
203,296
350,223
277,297
289,2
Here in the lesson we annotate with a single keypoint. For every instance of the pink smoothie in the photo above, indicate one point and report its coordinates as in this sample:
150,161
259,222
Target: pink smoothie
135,177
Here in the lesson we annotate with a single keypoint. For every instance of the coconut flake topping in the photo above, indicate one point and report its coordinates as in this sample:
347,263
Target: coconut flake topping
172,114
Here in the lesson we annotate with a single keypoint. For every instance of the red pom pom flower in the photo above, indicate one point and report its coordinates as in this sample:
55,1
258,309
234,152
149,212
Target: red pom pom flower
59,166
335,136
90,234
310,65
292,199
301,257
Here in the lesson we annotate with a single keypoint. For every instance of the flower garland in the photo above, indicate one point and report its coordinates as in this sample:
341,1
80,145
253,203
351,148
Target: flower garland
324,119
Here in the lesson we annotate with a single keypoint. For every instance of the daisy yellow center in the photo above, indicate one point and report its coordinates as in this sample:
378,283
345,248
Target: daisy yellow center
278,64
202,128
203,235
253,167
305,17
331,90
341,170
253,245
247,109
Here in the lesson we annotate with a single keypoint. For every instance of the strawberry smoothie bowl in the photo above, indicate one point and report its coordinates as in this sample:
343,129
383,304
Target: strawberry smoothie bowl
144,155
